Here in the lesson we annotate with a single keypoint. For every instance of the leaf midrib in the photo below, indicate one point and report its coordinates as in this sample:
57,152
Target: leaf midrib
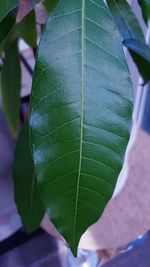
82,117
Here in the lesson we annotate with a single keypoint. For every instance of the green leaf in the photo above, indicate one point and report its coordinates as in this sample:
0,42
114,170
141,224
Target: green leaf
126,20
27,29
49,5
7,24
141,55
130,30
25,6
141,49
145,7
11,85
27,194
6,7
81,107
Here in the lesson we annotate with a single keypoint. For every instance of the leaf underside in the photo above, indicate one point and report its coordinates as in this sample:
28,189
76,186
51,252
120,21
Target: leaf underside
81,107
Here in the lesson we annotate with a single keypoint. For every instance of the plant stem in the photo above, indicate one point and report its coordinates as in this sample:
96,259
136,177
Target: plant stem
26,65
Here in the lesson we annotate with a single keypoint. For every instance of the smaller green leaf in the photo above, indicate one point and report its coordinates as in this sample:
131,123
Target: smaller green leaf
131,32
49,5
6,7
25,7
11,85
7,24
141,49
27,29
141,55
27,194
126,20
145,7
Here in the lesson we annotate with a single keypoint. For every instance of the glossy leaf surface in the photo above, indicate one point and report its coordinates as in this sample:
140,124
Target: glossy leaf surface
27,194
11,86
81,108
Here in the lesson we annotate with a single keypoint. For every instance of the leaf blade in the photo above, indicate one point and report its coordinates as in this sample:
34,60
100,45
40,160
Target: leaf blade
25,7
6,7
145,7
28,22
126,20
7,24
11,87
141,55
73,148
27,196
130,31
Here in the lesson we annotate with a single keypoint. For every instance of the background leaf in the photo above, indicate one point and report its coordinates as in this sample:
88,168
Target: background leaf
126,20
80,114
141,55
145,7
7,24
11,85
27,29
27,194
6,7
25,7
49,5
130,30
141,49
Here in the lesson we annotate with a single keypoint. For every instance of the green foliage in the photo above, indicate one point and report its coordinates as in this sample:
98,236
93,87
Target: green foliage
80,114
132,35
81,106
126,20
141,55
11,85
145,6
7,24
49,5
27,29
6,7
27,194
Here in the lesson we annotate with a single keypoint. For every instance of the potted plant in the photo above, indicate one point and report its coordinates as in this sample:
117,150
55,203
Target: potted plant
70,151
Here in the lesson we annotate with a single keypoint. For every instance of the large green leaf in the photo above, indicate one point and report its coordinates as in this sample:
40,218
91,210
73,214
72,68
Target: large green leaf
11,85
81,107
27,194
6,6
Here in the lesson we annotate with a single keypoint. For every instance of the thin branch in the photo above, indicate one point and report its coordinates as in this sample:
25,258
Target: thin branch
26,65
